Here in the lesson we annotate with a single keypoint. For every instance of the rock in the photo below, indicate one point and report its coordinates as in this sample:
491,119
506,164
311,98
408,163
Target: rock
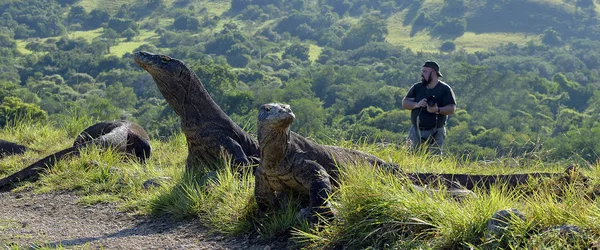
502,219
155,182
568,231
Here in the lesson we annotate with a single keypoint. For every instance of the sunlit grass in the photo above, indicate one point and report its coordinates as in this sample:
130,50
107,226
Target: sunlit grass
125,47
472,42
398,34
375,208
97,175
21,47
214,8
469,41
112,6
314,52
88,35
129,46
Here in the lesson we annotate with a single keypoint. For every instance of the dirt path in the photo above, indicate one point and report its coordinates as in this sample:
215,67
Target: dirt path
56,220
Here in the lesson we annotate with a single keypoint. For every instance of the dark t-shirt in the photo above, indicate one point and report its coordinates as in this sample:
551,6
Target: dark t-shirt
444,96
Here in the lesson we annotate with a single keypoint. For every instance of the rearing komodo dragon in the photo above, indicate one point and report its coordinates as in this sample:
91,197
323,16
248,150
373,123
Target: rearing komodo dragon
123,136
207,128
291,163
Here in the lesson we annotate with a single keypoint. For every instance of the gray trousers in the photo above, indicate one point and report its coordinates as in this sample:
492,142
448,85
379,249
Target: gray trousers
433,139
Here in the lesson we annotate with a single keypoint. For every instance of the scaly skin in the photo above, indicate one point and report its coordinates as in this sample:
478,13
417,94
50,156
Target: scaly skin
293,164
208,130
10,148
123,136
472,181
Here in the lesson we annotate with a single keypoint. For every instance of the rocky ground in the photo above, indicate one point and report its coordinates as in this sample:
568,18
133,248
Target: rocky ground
57,220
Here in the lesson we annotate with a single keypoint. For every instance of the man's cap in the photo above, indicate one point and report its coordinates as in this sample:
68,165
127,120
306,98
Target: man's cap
434,66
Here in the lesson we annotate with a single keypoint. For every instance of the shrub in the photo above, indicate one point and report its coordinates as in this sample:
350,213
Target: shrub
448,46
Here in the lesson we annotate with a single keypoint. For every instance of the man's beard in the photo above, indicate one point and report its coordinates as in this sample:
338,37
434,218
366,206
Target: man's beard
426,82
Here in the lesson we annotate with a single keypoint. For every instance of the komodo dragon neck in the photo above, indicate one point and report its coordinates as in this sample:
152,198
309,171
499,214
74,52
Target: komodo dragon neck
193,104
274,146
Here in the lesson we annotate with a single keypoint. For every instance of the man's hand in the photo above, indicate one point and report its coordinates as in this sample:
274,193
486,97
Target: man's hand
422,103
432,109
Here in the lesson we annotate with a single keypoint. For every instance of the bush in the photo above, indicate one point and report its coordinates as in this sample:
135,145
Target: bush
448,46
451,26
13,109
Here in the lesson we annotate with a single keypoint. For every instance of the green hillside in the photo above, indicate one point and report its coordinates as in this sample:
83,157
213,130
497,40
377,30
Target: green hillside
352,61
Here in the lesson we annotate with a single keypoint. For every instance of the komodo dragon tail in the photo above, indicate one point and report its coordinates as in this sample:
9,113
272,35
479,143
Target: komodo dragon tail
471,181
33,171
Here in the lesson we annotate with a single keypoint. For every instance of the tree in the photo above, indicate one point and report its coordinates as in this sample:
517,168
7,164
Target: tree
297,50
448,46
96,18
310,116
122,97
369,29
451,26
129,34
551,37
585,3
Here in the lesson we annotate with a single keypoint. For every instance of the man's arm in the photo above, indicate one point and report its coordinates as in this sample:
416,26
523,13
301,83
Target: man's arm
448,99
448,109
410,104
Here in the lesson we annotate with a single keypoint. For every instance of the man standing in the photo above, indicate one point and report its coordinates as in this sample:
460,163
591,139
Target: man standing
430,102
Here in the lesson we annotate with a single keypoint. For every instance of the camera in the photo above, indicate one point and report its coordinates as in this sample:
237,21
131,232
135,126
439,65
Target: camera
431,100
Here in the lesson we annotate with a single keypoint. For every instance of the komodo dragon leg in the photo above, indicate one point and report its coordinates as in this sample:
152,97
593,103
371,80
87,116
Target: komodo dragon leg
237,152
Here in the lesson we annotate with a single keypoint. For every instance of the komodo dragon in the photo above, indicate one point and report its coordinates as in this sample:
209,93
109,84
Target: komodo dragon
291,163
207,128
123,136
10,148
472,181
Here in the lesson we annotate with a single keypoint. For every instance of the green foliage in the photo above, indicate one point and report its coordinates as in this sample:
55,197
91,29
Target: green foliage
448,46
186,22
516,99
551,37
13,109
32,18
296,50
451,26
368,29
121,25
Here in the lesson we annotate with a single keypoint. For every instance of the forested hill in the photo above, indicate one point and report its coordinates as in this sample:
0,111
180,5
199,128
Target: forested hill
525,72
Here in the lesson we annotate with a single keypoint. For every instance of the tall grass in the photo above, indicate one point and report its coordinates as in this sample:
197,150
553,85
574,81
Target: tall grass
374,209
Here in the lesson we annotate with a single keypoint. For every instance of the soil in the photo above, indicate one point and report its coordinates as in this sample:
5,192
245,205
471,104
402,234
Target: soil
53,220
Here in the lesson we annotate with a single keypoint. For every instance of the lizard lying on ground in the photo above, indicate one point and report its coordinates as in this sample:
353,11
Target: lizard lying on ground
123,136
10,148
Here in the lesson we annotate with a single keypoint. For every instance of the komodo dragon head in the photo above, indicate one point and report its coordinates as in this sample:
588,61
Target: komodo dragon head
275,116
174,79
274,119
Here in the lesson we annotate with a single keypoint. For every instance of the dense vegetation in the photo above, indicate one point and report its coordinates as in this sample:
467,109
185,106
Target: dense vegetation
331,60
